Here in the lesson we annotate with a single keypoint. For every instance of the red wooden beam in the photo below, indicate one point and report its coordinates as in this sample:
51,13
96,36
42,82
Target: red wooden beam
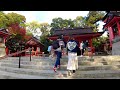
81,37
111,22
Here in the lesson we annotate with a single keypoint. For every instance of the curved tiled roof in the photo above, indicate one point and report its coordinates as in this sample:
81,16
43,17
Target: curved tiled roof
73,31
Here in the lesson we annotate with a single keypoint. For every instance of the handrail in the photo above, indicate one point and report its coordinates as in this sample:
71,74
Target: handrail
12,54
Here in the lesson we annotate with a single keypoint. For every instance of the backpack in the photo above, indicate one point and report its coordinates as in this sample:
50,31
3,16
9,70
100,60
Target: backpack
55,44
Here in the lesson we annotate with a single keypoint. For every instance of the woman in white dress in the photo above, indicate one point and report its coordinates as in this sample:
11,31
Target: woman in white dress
72,65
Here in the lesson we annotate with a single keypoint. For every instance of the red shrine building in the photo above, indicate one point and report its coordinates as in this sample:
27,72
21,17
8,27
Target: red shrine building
3,36
80,34
36,45
112,26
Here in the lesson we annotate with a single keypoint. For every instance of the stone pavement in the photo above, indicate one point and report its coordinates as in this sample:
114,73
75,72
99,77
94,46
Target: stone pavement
97,67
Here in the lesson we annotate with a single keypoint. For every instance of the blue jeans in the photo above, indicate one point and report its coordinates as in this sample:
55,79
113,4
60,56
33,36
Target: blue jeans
58,58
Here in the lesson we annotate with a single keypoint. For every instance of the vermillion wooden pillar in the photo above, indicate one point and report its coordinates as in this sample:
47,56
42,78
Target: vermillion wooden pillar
118,26
79,42
90,42
111,36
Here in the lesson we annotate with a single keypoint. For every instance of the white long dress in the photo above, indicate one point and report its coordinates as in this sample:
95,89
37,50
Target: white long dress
72,61
72,57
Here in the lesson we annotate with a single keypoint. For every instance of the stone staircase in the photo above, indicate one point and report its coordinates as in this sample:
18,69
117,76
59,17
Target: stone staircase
96,67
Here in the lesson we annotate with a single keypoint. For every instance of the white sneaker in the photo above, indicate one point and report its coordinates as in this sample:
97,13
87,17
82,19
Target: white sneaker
81,55
69,73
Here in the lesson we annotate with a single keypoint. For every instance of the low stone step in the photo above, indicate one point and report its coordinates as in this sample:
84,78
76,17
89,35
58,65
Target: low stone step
29,62
77,75
49,73
44,62
63,67
9,75
97,74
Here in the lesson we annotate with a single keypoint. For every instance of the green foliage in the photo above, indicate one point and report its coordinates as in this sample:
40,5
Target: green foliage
93,17
13,42
45,29
13,22
29,33
3,20
59,23
98,41
33,26
15,18
7,19
46,42
90,21
79,21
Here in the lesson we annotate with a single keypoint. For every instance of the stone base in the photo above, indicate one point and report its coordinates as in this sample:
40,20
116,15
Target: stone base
2,51
116,48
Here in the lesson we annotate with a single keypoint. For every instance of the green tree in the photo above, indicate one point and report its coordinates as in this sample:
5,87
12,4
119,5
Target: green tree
45,30
59,23
79,21
92,18
15,23
33,27
6,20
3,20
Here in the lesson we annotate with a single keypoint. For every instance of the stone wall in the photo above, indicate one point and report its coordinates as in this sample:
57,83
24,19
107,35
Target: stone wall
116,48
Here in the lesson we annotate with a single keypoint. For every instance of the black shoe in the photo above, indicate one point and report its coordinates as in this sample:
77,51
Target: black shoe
73,71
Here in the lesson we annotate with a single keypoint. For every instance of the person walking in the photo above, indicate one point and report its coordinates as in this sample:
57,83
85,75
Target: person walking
82,48
72,46
57,46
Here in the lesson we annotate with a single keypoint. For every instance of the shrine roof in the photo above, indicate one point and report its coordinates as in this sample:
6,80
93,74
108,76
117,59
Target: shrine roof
73,31
34,41
110,15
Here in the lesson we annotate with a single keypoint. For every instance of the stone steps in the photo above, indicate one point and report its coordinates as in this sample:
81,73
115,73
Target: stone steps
9,75
47,60
63,67
49,73
41,68
63,62
97,74
44,74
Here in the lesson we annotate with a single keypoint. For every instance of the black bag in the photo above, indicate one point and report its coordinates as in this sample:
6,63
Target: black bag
55,45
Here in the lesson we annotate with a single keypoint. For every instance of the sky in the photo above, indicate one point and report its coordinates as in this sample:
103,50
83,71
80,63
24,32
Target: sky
47,16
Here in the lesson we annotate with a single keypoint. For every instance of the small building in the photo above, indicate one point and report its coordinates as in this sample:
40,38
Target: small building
80,34
36,45
112,26
3,35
